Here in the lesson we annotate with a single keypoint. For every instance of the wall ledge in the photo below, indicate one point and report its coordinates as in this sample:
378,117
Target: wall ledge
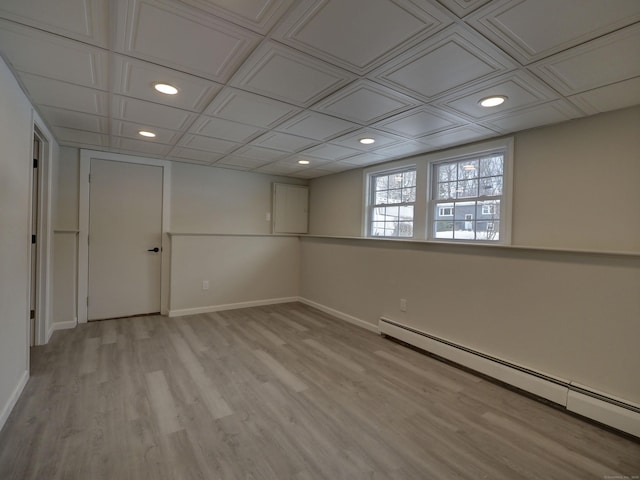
436,244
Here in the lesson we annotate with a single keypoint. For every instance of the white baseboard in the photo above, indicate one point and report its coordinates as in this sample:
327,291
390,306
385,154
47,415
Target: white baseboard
230,306
342,316
61,326
604,412
588,402
15,395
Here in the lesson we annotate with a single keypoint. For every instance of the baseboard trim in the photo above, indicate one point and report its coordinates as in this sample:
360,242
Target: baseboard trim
13,399
61,326
230,306
582,400
342,316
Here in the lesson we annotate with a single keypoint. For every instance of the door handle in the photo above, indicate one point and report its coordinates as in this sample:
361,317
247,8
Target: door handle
155,250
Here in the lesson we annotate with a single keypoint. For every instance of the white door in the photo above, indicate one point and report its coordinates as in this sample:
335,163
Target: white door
125,226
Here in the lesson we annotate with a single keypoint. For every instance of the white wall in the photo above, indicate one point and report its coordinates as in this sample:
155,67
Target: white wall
572,315
15,198
244,266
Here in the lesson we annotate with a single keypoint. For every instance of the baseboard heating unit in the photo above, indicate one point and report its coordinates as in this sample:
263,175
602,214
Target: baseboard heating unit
606,409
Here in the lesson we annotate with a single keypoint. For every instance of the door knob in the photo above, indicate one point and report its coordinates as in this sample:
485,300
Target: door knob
156,250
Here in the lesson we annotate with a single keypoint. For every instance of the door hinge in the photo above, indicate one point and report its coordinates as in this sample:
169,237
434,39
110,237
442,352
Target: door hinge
32,314
35,163
33,239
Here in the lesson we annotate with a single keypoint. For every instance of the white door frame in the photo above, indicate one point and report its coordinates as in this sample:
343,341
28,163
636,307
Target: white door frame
83,223
44,243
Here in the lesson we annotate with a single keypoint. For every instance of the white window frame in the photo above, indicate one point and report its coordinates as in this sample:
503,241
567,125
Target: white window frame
469,151
418,206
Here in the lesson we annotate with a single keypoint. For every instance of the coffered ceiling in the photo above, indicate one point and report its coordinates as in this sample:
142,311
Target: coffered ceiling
263,84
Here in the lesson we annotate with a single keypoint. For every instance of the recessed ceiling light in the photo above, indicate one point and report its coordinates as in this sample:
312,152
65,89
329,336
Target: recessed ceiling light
304,162
166,88
146,133
492,101
367,141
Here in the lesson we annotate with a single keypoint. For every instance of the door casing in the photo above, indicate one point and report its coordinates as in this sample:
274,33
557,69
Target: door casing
83,222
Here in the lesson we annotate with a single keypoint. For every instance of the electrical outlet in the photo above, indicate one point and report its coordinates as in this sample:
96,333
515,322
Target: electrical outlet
205,284
403,304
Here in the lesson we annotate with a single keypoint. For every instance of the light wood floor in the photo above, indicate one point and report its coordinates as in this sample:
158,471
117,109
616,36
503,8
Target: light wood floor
281,392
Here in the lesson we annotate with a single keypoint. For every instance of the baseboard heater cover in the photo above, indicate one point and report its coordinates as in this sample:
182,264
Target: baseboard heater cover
619,414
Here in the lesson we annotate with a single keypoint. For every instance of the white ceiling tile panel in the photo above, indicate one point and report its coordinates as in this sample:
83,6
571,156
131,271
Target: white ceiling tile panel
286,74
136,78
610,97
533,29
458,135
139,147
256,15
208,144
359,34
382,139
521,89
330,152
244,162
463,8
187,160
603,61
121,128
260,153
84,20
125,108
245,107
449,60
363,159
71,135
225,129
59,117
48,55
279,168
316,125
419,122
283,142
46,92
196,155
311,173
404,149
182,39
545,114
365,102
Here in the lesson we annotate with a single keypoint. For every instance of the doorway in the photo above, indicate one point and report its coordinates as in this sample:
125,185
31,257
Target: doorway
35,220
124,239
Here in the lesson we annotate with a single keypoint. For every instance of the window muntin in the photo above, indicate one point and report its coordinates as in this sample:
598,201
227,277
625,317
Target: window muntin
471,190
392,203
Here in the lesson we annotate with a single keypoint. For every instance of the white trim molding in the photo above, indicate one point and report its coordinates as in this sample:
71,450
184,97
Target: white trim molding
230,306
13,398
342,316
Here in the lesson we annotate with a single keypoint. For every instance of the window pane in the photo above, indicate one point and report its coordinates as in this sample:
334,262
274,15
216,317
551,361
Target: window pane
447,190
406,213
447,172
491,166
395,196
395,180
443,211
381,197
443,229
405,229
467,188
467,169
491,186
382,182
488,230
409,194
392,213
489,210
409,178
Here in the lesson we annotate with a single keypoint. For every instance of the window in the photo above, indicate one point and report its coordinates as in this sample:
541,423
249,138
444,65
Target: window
470,190
391,204
445,212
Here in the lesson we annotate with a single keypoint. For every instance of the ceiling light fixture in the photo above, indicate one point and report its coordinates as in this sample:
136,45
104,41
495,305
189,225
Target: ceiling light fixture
367,141
304,162
492,101
146,133
165,88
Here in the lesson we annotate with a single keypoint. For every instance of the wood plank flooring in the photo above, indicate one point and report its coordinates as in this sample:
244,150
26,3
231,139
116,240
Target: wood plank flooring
275,393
